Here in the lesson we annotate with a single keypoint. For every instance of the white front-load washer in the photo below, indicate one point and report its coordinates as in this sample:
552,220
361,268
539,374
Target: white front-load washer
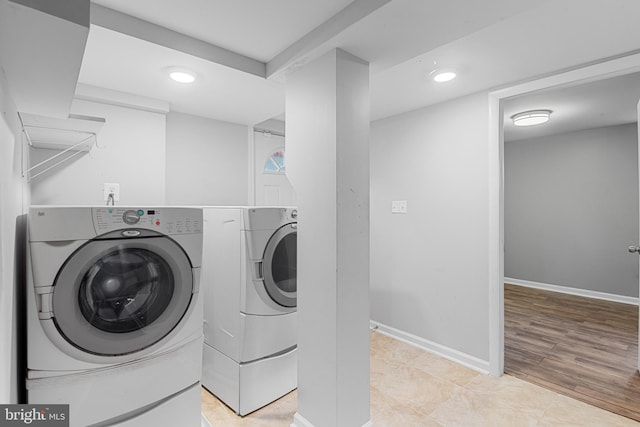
114,317
249,282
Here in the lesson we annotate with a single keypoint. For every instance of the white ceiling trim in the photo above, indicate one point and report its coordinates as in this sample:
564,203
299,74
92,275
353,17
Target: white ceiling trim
585,73
76,11
122,99
312,45
315,42
144,30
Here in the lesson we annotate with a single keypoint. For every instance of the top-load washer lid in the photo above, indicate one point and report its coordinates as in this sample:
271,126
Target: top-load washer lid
123,292
279,263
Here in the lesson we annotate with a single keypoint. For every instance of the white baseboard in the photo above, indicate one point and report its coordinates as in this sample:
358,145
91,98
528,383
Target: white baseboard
573,291
300,421
204,422
432,347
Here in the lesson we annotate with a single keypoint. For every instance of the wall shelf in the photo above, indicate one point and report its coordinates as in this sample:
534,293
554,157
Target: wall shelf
60,134
71,137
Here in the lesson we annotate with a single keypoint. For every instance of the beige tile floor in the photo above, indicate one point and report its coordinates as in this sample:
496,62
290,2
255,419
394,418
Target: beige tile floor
411,387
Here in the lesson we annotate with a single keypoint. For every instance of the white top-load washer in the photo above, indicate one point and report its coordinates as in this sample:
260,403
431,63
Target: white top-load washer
249,282
114,317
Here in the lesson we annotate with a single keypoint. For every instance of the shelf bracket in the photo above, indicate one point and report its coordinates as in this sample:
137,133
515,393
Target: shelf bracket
30,176
73,134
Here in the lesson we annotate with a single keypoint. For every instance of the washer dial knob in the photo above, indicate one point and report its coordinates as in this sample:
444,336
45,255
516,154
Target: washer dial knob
131,217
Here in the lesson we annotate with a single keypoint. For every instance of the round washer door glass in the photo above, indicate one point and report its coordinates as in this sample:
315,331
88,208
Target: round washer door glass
115,297
280,265
126,290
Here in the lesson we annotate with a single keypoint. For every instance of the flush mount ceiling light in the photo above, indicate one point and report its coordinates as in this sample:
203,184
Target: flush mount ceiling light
531,118
442,75
182,75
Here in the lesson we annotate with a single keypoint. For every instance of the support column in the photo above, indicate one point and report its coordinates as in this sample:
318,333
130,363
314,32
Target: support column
327,145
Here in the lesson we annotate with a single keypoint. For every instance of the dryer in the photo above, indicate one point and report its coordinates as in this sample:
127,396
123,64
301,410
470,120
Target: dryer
250,303
114,317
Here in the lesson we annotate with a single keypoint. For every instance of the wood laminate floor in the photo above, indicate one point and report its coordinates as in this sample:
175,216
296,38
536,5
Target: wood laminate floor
581,347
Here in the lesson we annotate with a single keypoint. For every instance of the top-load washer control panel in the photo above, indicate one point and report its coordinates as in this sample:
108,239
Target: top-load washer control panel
164,220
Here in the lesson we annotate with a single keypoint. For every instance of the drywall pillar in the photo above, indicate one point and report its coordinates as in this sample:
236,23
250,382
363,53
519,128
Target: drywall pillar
327,147
42,43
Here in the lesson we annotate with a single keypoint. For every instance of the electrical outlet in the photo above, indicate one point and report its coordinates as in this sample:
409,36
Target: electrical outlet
112,188
399,206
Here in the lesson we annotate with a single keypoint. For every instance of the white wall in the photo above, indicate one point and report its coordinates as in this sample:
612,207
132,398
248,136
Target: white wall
571,210
130,151
207,161
14,196
429,267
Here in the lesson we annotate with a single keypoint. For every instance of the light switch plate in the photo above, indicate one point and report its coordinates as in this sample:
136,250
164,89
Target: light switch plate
399,206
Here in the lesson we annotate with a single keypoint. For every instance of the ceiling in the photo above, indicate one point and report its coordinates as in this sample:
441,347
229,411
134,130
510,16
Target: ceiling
607,102
492,44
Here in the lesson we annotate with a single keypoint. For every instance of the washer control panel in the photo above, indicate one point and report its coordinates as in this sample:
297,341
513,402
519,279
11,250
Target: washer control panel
131,216
168,220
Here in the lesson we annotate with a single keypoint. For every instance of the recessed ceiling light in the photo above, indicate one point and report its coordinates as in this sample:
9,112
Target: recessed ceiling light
182,75
442,75
531,118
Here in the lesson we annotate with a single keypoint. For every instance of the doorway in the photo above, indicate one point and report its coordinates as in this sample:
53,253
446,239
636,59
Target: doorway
608,69
518,302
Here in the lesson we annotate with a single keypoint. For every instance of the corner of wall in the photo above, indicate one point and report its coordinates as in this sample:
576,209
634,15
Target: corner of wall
14,193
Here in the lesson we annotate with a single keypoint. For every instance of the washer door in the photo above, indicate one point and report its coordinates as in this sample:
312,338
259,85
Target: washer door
280,265
119,296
